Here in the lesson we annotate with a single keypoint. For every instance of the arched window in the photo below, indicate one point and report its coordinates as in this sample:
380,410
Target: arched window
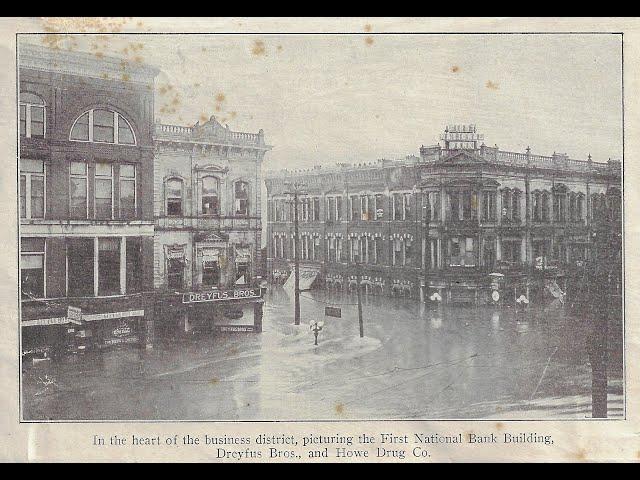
174,197
210,200
102,126
241,195
32,115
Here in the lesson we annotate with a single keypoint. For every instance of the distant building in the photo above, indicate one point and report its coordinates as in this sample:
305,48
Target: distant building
208,225
86,199
442,222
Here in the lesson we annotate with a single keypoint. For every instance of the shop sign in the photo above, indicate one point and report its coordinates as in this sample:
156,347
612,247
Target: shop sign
112,315
234,328
74,314
222,295
45,321
122,330
333,312
121,340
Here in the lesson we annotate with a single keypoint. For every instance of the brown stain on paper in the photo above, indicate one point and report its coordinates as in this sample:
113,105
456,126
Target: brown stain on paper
368,41
455,69
259,48
492,85
339,408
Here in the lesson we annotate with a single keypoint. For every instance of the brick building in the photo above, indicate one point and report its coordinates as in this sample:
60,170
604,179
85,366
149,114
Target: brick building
86,199
208,228
443,221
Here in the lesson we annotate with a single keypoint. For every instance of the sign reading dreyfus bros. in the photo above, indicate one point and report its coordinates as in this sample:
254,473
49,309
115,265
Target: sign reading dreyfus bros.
222,295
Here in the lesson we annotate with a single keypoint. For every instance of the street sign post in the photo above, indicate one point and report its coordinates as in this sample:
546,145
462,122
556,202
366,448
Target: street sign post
74,315
333,312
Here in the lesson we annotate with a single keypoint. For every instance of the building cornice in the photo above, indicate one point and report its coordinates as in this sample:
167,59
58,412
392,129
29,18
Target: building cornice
39,58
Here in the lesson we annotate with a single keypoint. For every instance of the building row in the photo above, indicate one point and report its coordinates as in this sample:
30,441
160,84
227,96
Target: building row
127,224
456,221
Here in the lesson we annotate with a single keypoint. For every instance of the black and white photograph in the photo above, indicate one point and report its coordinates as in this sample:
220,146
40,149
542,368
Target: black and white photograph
345,226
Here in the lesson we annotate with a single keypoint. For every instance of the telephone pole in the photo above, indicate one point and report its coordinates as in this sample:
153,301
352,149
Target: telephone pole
295,190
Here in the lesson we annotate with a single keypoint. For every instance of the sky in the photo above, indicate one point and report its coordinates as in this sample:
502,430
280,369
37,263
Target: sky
322,99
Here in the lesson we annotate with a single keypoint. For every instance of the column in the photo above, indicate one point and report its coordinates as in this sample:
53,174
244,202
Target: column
123,265
498,248
95,266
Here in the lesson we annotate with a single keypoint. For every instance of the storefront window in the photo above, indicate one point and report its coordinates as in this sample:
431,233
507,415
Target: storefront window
210,273
80,267
32,258
134,264
108,266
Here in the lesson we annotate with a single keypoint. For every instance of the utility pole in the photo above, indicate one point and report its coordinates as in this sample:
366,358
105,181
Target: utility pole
360,322
296,189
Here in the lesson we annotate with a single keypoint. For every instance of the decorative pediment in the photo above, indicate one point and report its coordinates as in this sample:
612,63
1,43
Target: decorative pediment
211,237
463,157
211,129
212,168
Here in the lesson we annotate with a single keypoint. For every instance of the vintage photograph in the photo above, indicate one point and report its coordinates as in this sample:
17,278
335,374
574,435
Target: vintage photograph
322,226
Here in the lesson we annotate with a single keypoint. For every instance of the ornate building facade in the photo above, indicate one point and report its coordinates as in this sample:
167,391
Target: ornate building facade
456,221
208,230
86,199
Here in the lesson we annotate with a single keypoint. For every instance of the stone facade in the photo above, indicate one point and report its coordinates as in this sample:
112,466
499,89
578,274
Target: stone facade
443,221
207,207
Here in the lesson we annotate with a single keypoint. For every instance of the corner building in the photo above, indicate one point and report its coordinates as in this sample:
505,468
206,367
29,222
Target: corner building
86,200
461,220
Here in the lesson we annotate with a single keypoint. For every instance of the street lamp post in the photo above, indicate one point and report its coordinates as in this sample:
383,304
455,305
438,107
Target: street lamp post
295,190
316,326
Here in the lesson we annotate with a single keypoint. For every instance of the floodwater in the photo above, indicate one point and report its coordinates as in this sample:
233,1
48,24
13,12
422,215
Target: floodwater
412,363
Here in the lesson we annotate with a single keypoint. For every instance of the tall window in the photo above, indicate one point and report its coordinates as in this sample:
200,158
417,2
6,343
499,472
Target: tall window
454,206
559,207
175,273
331,208
108,266
210,202
489,206
102,126
210,273
241,194
398,208
379,255
104,190
32,115
545,206
355,207
379,206
134,265
316,209
32,188
338,208
127,191
174,197
32,267
80,267
78,190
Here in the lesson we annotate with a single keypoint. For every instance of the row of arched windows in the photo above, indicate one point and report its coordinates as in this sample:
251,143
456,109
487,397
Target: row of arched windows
209,189
97,125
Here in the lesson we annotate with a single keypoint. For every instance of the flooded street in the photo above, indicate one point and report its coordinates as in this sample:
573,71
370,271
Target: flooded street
413,363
